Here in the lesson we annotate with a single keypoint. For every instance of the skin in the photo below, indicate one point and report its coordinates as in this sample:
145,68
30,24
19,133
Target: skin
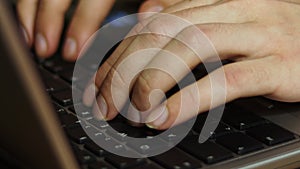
42,21
262,37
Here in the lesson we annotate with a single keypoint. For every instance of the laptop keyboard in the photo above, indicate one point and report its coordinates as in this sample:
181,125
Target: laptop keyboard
239,133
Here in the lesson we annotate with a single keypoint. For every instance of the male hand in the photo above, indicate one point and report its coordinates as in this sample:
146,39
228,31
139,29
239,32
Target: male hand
42,22
261,36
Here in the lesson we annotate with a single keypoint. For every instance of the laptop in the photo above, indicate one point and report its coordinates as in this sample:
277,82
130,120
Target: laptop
40,129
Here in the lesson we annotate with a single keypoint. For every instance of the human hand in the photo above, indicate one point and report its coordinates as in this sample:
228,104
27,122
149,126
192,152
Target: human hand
42,22
261,36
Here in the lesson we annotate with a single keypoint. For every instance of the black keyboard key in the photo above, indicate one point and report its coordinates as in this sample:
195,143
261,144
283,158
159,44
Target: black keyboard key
95,149
65,98
124,162
99,165
270,134
60,111
52,83
98,123
81,74
148,147
77,134
68,76
208,152
117,135
69,120
174,135
147,166
176,159
84,157
199,123
111,144
123,129
82,111
58,65
95,133
221,130
239,143
241,119
55,84
171,138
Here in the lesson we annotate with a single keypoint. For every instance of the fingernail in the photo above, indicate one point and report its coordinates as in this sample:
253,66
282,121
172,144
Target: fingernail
90,94
26,37
40,44
70,48
158,117
157,8
100,110
133,116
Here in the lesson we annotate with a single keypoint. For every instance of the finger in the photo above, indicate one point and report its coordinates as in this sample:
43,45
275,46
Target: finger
49,23
85,22
187,4
169,28
106,71
93,86
150,7
26,10
190,47
241,79
117,84
123,79
138,29
89,95
154,6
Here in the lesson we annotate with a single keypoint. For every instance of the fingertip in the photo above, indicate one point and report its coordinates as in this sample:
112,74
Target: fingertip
100,108
149,8
41,46
158,117
48,27
89,94
70,49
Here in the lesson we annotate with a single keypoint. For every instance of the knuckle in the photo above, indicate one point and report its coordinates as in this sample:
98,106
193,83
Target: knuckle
238,78
143,85
188,32
166,25
141,93
148,40
193,95
157,26
234,76
136,30
193,35
116,79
